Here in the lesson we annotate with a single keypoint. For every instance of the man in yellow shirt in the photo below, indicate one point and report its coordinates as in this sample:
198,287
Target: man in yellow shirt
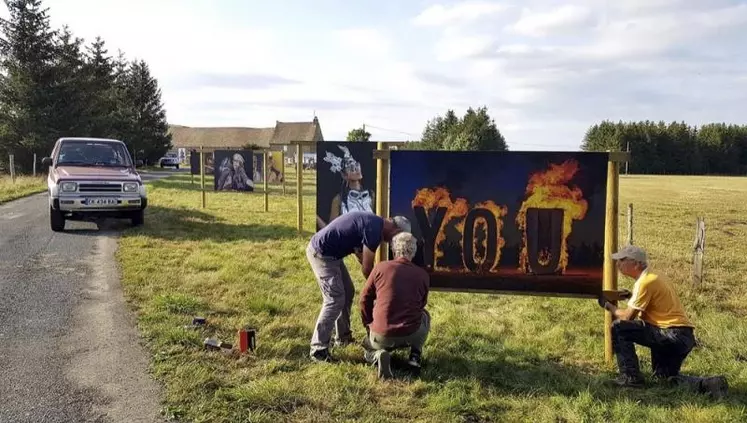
656,319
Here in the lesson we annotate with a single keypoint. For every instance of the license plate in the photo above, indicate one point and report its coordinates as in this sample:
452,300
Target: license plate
101,201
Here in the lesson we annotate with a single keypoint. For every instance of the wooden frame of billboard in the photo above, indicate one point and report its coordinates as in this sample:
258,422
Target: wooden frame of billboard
609,276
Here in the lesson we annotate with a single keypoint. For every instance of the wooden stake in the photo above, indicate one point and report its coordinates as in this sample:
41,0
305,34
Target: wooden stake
299,187
610,246
12,168
35,165
630,224
267,195
698,251
202,175
382,196
282,168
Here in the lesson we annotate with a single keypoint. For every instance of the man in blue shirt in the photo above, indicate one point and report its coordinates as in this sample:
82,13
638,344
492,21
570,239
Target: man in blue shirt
358,233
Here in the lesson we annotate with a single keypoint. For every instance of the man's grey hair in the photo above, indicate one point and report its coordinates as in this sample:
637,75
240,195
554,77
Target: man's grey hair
404,245
402,223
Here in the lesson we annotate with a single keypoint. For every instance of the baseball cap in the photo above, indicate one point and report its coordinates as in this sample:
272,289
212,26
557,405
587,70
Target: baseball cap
402,223
630,252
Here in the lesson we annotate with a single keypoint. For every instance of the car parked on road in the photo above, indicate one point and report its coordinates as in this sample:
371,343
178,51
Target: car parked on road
93,178
169,160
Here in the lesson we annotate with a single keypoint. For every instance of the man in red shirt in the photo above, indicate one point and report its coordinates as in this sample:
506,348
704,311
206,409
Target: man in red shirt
393,307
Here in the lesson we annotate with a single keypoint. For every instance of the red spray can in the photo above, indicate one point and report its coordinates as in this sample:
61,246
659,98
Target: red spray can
247,339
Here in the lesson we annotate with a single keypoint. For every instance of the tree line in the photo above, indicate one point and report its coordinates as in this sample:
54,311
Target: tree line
53,85
475,131
674,148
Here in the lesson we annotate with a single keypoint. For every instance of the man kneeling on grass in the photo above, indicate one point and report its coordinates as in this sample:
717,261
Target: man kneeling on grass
663,327
393,307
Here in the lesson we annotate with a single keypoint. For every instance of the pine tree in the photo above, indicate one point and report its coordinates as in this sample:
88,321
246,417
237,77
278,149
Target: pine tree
72,114
27,76
99,71
150,131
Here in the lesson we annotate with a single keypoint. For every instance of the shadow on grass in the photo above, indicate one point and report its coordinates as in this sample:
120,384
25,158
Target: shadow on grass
522,371
185,184
193,225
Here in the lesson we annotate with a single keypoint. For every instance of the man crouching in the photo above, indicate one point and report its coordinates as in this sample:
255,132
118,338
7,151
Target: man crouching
393,307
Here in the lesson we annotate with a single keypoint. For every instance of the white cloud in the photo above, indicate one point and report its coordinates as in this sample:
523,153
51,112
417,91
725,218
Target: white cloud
566,18
466,11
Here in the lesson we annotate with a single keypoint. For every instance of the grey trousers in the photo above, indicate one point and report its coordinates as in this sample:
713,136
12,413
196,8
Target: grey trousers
337,299
375,343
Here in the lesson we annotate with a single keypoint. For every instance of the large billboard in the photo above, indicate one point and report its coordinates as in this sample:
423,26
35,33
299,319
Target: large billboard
233,170
345,179
528,222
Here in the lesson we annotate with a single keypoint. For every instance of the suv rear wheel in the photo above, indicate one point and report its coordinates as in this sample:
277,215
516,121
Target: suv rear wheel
56,220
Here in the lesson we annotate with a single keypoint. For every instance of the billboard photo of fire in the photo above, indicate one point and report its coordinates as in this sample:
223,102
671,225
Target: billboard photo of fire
521,222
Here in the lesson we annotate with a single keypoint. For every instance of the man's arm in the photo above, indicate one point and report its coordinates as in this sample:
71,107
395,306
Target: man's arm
368,295
368,261
628,313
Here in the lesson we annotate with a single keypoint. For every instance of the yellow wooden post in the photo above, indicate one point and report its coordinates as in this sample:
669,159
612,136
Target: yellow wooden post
610,246
299,187
202,175
382,195
264,171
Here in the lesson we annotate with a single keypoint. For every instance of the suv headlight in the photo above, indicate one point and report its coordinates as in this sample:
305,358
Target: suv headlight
130,187
69,186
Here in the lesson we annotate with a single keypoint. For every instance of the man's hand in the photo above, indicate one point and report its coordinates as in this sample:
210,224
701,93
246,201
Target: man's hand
602,302
625,294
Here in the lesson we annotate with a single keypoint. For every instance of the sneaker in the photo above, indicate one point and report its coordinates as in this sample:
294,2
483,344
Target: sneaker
628,381
415,360
716,386
321,356
384,362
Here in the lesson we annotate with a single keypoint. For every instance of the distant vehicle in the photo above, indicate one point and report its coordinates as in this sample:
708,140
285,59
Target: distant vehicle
169,160
92,178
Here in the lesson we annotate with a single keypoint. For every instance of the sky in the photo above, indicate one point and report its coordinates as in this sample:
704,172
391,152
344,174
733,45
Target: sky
546,69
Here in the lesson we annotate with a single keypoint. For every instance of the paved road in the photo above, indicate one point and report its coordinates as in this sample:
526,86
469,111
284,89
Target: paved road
69,349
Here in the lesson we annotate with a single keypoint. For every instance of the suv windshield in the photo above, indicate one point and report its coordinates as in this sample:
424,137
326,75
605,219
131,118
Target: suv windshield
93,153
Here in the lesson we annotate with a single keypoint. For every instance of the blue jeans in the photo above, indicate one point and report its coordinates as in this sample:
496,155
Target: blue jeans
669,348
338,292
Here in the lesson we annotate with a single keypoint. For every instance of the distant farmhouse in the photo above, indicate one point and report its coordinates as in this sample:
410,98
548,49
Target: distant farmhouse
217,138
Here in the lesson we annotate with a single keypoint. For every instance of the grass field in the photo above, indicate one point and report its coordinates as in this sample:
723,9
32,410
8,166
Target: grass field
23,186
490,358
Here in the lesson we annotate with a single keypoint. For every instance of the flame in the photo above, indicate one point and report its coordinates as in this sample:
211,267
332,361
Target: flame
499,212
545,257
456,212
550,190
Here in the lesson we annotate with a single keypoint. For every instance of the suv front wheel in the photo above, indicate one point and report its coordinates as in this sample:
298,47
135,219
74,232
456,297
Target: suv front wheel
138,217
56,220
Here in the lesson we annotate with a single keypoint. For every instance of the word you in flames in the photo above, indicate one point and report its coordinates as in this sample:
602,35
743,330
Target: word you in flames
477,229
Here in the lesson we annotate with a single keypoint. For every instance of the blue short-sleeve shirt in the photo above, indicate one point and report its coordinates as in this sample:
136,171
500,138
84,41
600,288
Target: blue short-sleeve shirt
349,232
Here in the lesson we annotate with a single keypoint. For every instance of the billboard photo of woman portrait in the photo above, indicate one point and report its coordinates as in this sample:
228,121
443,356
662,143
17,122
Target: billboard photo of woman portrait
352,193
232,174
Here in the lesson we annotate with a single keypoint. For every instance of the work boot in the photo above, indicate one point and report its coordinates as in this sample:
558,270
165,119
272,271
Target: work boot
321,356
628,381
384,362
415,360
717,386
344,341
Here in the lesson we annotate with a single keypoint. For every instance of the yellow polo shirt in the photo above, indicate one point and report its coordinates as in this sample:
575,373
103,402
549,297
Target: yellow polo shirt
658,302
